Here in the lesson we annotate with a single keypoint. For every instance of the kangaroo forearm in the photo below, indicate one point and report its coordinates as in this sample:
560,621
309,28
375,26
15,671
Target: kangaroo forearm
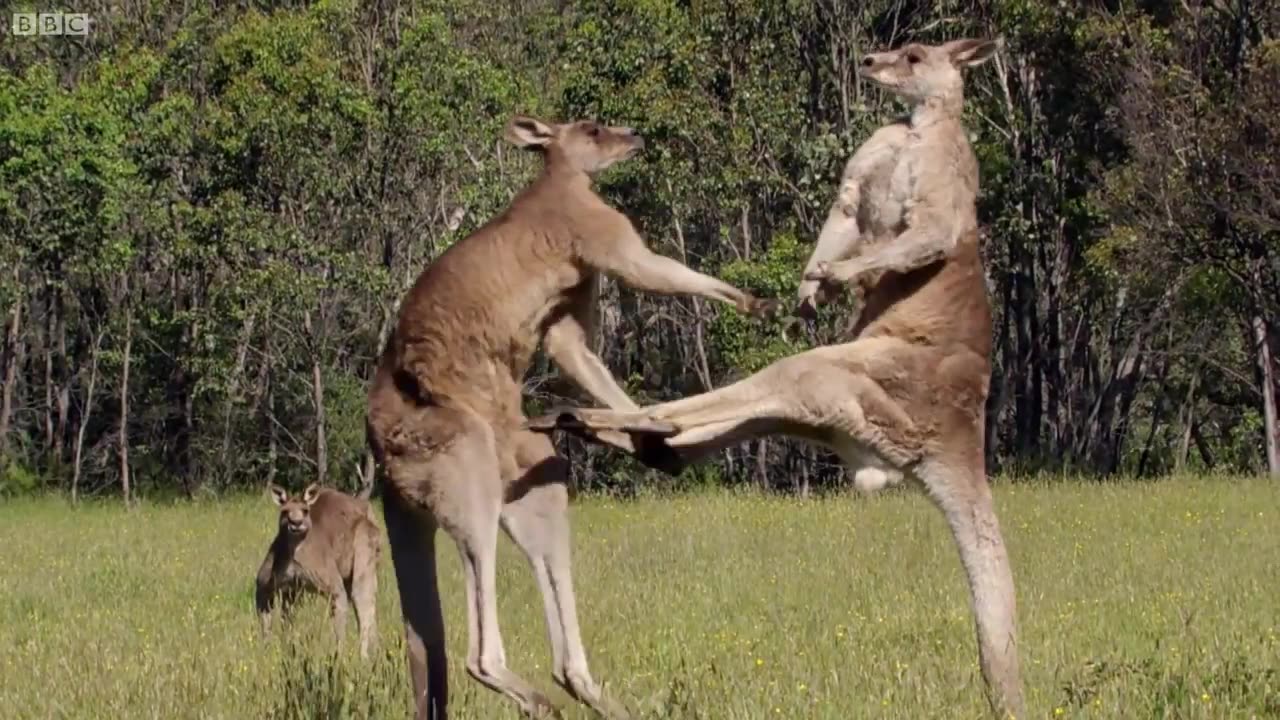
915,248
911,250
663,275
590,373
566,343
838,239
263,596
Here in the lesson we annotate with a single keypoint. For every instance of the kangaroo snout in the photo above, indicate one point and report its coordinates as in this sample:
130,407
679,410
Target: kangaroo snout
631,136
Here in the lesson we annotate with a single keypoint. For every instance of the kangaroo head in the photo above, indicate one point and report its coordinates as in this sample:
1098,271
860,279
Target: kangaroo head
584,145
295,512
919,72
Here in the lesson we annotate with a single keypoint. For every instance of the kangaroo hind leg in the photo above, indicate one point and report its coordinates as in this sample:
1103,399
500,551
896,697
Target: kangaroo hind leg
537,519
412,534
463,490
960,490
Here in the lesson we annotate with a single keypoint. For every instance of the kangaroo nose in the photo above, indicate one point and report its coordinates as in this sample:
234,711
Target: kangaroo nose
868,61
630,133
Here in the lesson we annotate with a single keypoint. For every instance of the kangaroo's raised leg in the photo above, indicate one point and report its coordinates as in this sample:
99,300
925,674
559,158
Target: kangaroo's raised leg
817,395
836,396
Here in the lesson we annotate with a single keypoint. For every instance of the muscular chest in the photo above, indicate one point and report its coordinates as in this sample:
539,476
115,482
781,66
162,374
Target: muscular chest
904,181
903,191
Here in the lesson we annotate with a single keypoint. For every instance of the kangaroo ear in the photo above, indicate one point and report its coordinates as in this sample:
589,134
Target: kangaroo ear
311,493
278,494
528,132
971,52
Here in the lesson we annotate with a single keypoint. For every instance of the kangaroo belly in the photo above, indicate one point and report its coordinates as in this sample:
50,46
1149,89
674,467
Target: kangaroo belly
943,304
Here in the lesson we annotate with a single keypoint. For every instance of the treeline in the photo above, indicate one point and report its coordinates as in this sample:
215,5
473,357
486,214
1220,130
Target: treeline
209,211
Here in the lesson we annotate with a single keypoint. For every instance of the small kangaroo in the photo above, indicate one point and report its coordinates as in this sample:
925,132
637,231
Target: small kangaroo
446,408
906,396
327,543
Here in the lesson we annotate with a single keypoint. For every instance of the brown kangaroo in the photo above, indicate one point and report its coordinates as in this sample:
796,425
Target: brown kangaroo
445,407
907,395
327,543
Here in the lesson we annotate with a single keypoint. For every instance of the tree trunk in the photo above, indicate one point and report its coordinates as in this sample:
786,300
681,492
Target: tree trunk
1001,382
701,368
123,438
1157,416
762,463
1128,380
1267,378
63,395
1026,410
188,434
236,393
317,399
242,352
322,445
181,390
9,370
1107,422
85,415
272,444
46,341
1187,420
1202,445
807,458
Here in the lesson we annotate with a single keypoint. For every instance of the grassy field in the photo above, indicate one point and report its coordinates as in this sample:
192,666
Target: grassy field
1135,601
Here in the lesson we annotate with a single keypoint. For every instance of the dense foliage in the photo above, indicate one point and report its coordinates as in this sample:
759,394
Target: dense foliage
208,213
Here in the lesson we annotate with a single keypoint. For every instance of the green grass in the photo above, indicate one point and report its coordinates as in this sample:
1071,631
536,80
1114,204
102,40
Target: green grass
1139,600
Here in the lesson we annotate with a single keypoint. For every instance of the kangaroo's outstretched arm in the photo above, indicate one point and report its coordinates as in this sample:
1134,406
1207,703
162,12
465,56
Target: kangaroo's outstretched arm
633,263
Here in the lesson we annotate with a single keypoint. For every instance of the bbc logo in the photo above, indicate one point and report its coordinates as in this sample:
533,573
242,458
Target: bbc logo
56,23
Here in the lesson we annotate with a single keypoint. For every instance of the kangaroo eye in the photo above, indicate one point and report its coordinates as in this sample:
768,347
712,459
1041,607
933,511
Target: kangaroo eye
913,58
595,131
